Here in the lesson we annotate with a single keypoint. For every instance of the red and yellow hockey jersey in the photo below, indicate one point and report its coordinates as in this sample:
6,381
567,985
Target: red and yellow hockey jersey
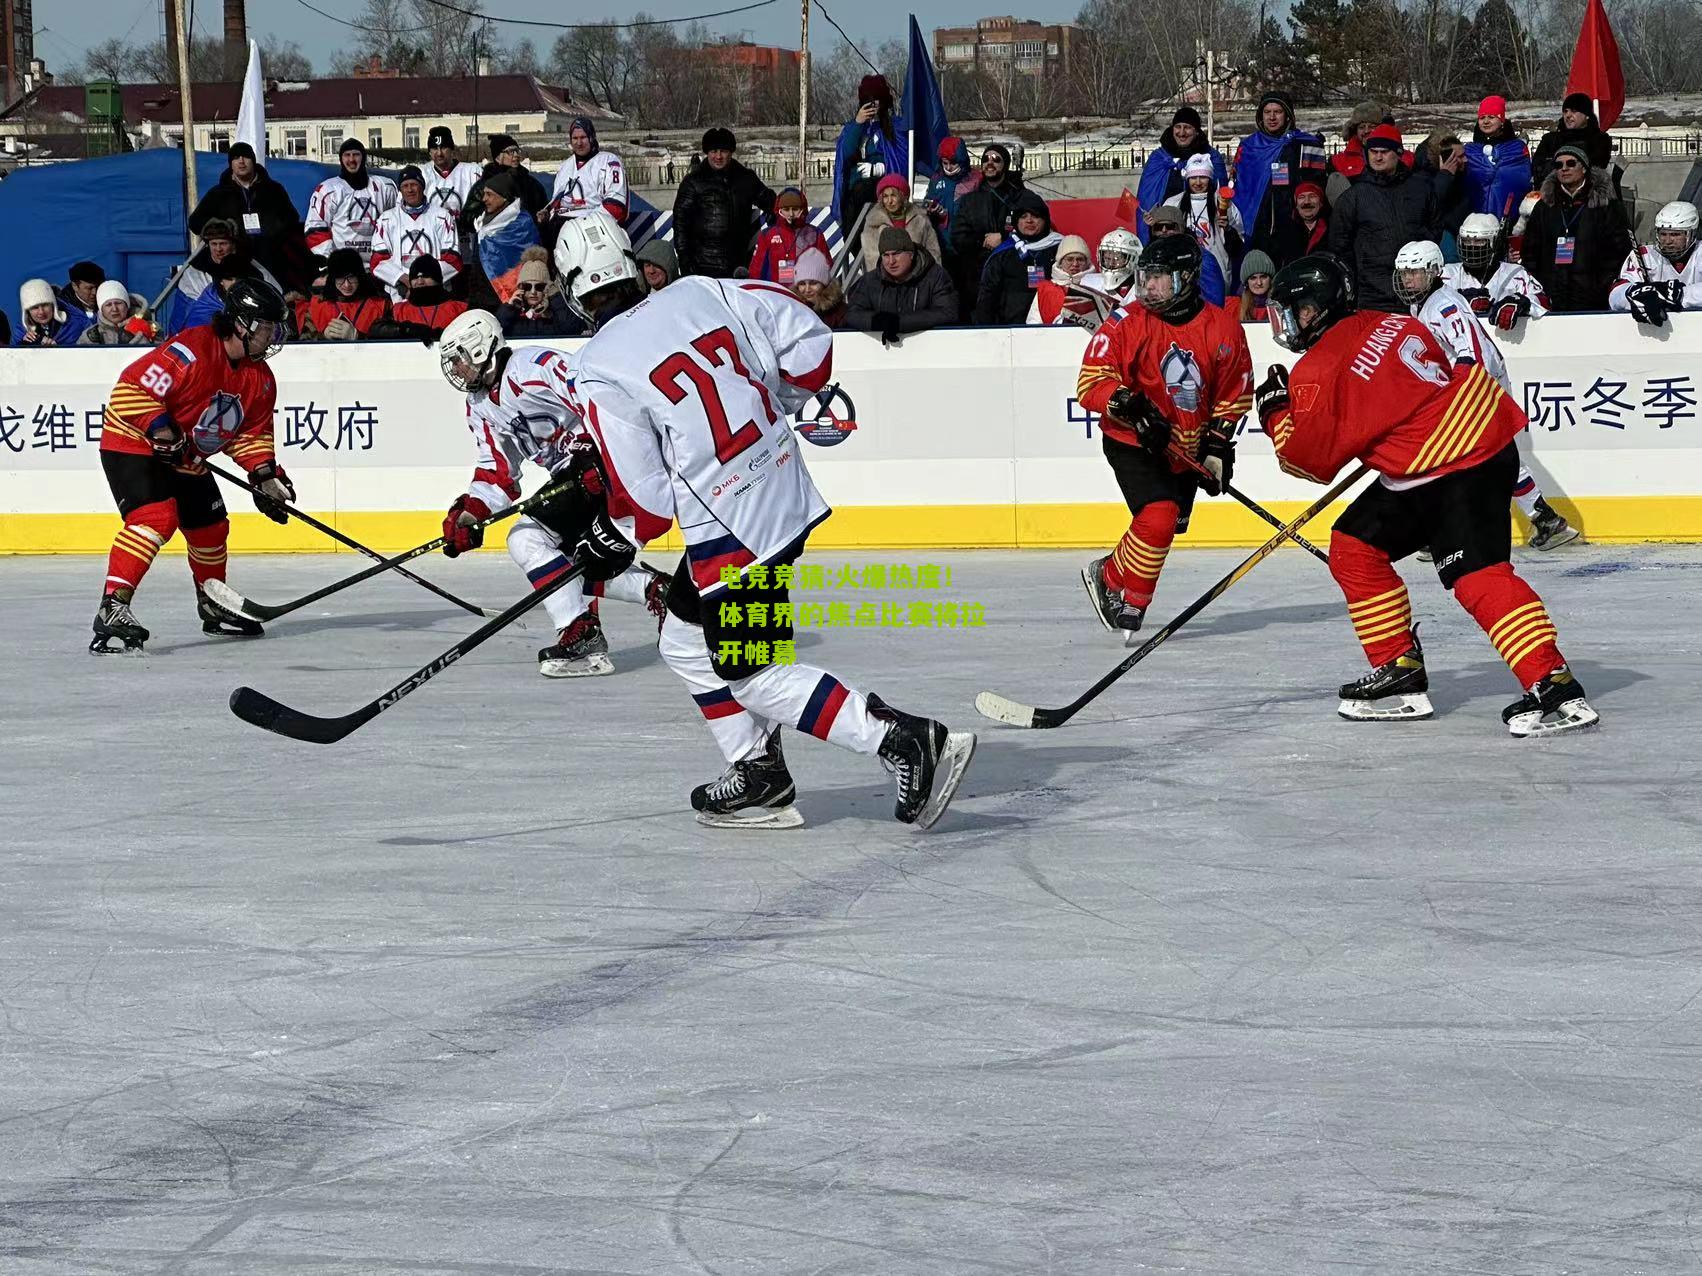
190,381
1379,388
1192,372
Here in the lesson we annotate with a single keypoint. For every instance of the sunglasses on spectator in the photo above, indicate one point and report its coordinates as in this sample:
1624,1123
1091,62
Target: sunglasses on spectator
1567,163
991,159
531,287
512,150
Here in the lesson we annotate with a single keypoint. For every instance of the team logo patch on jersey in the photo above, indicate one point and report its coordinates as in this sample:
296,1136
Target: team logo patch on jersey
1304,395
218,424
828,419
1181,373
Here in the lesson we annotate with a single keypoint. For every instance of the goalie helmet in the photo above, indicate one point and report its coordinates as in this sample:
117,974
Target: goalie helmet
594,253
468,348
1119,253
1675,229
1480,235
1418,266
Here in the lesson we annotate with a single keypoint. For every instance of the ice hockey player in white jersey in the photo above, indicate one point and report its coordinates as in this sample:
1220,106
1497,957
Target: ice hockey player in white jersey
1665,275
412,229
1118,254
345,207
1419,281
1499,292
448,178
520,409
687,392
590,178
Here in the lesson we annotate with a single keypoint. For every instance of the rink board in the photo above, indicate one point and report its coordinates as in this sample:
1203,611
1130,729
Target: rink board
964,438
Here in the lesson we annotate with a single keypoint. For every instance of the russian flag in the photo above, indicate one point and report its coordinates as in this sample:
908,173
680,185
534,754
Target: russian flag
502,239
1450,309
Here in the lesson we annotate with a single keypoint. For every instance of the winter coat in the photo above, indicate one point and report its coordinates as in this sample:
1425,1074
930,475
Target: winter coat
923,299
1380,213
1497,174
1453,196
197,294
984,211
912,218
102,333
1267,169
60,332
777,242
712,218
421,316
1014,270
280,246
1595,143
1295,241
1161,175
528,190
830,305
555,320
1596,222
945,193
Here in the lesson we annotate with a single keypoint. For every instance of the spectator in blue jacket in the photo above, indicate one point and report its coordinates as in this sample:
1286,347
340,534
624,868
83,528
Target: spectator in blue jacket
1498,163
952,181
43,321
1269,163
868,150
1161,177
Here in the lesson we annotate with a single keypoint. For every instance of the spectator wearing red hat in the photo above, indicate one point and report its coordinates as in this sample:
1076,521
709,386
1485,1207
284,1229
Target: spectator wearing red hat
1498,163
868,150
952,181
787,235
1384,210
894,207
1308,229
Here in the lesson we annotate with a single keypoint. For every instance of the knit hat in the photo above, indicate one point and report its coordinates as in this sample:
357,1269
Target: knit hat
1578,102
719,139
1186,115
242,150
426,264
893,181
410,173
1492,105
791,197
112,290
1257,262
38,292
440,136
503,184
1577,152
499,142
660,253
1003,151
1199,166
343,261
86,272
1074,244
874,88
1280,99
1310,186
812,265
350,144
1165,215
534,265
584,122
216,228
949,149
895,239
1383,137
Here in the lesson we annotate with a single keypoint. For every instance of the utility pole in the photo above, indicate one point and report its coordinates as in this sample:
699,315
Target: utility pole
188,107
804,94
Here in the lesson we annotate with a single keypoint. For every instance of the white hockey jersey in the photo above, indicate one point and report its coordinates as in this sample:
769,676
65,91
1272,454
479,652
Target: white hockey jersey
1509,280
404,234
1449,315
1196,212
339,216
584,186
529,415
687,395
1661,271
448,191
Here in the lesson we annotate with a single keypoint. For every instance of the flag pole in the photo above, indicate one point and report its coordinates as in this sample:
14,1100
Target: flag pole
804,97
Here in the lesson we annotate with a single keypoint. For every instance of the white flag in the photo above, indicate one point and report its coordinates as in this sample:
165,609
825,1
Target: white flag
251,116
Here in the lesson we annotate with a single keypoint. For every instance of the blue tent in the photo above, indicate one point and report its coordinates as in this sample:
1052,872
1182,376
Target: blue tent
124,212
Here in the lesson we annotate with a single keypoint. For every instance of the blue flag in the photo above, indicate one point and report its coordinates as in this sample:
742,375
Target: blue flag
922,112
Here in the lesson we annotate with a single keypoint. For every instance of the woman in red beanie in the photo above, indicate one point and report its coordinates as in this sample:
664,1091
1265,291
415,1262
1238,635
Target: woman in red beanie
1498,163
868,150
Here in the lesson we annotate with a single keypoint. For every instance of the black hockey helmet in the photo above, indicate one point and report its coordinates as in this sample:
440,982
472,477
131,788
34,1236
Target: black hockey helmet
1319,281
250,303
1178,257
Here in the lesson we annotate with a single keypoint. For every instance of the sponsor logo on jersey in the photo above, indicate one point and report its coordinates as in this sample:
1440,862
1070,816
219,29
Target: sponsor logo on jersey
219,423
828,419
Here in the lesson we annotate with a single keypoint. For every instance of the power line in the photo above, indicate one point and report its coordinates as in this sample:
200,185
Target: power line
534,22
848,40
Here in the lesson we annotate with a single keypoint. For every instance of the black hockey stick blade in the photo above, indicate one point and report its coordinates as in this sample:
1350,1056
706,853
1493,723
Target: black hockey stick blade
262,711
1003,709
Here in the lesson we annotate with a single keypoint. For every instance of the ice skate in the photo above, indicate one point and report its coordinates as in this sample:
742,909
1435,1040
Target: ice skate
581,651
221,621
1554,704
1114,612
114,620
1392,692
1548,529
927,760
753,793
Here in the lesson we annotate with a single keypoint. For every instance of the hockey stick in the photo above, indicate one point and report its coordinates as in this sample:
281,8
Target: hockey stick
227,597
261,710
341,539
992,705
1253,505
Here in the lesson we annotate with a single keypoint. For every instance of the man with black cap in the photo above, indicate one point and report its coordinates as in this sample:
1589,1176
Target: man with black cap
1269,163
983,220
590,177
449,178
713,230
509,160
1161,176
263,213
346,206
1577,127
413,229
1385,209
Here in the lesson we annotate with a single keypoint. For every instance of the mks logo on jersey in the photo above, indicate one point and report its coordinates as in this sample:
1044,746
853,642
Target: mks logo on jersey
1181,373
829,419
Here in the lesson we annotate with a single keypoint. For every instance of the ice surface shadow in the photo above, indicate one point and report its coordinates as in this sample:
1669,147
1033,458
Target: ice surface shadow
1450,688
1245,621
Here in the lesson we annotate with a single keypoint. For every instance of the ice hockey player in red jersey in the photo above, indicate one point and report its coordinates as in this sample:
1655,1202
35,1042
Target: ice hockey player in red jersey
687,393
1170,375
1379,388
206,391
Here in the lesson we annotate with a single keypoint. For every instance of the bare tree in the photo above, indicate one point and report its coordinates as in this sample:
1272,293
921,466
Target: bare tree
284,60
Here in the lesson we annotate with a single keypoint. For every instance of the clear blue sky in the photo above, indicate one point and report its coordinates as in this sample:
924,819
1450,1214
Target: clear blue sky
71,25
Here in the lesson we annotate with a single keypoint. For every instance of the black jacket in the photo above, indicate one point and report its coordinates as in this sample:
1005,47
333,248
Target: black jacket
923,299
986,210
280,246
1590,139
713,228
1378,214
1595,221
557,321
529,190
1005,293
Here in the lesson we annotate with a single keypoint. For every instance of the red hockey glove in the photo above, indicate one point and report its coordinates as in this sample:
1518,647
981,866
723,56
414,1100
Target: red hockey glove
461,530
1509,309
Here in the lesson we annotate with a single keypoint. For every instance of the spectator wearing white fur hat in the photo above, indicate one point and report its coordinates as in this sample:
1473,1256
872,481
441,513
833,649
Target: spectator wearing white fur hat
112,303
42,320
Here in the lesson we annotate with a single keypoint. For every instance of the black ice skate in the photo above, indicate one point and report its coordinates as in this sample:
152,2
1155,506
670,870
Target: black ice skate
656,595
222,621
1392,692
581,651
1556,703
754,793
1115,612
114,620
927,760
1548,529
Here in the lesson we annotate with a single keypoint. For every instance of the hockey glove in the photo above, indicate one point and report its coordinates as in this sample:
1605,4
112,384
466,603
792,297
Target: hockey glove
1217,454
604,549
1135,410
1509,310
584,465
167,440
273,490
1646,304
1479,301
1272,395
461,530
1672,293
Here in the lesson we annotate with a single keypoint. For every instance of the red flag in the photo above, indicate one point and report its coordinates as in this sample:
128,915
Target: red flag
1128,209
1595,66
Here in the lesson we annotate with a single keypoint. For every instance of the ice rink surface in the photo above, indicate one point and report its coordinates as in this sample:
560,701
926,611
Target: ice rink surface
1206,981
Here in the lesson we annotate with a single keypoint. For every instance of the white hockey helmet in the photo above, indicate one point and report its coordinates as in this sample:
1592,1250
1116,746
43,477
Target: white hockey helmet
468,348
1119,254
1418,266
1675,229
592,253
1479,235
